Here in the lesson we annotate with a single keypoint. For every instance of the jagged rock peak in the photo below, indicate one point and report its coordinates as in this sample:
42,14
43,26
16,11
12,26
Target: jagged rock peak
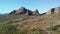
25,11
22,8
35,12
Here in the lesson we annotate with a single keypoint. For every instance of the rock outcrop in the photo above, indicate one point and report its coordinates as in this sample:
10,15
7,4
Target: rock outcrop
21,10
29,12
57,10
43,30
36,12
25,11
53,11
12,12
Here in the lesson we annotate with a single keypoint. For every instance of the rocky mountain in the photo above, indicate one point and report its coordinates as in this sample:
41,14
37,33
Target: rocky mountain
53,11
25,11
22,24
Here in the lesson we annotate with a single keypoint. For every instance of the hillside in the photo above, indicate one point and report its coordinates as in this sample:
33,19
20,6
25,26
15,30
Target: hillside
30,24
22,24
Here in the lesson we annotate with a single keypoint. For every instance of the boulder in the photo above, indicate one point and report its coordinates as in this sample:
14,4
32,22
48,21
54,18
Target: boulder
43,30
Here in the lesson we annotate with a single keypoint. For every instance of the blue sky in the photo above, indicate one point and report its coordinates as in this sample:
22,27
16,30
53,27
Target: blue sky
7,6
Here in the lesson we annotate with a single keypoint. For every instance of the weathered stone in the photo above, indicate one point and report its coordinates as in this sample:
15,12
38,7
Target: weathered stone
43,30
28,12
53,11
25,11
22,10
36,12
57,10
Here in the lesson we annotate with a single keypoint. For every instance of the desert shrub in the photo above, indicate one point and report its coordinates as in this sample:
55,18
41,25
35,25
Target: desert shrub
7,28
23,31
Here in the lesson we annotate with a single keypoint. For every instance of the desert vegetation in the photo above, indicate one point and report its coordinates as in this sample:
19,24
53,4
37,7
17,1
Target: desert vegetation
22,24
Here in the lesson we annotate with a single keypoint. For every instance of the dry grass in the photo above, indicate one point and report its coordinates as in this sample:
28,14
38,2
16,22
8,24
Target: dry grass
23,24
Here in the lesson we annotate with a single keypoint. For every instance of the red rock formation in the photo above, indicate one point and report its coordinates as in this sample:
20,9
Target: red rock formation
25,11
35,12
57,10
53,11
28,12
21,10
